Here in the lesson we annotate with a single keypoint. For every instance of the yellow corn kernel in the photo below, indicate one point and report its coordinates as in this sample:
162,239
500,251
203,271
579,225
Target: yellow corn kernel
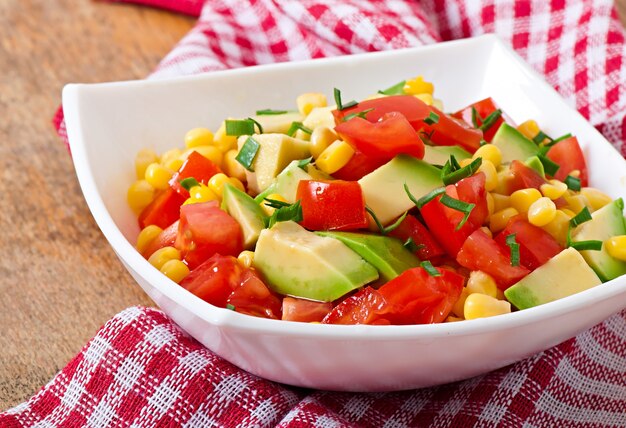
270,210
451,318
499,219
158,176
481,306
490,153
169,155
139,195
568,213
235,182
576,203
198,137
174,164
146,236
616,247
575,173
457,308
201,193
554,189
426,98
334,157
500,202
163,255
491,175
321,138
307,102
541,212
222,141
487,231
595,198
232,167
245,258
558,227
175,270
216,183
481,282
418,86
529,129
213,153
522,199
144,158
490,204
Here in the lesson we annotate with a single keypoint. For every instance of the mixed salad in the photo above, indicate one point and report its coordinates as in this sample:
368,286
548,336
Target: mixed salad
382,211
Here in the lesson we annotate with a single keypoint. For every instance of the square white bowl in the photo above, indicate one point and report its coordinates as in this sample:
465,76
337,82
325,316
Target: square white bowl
108,123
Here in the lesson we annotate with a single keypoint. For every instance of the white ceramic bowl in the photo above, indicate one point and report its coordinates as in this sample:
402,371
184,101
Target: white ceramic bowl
108,123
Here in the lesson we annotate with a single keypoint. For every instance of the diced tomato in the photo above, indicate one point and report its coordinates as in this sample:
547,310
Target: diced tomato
367,306
305,310
569,156
215,279
386,138
253,297
483,109
472,190
536,246
205,230
196,166
480,252
163,210
332,205
358,166
427,247
521,177
166,238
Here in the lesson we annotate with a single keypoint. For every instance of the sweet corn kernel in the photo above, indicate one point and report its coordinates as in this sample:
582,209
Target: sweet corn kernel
334,157
457,308
489,152
144,158
558,227
541,212
158,176
232,167
245,258
307,102
426,98
146,236
451,318
616,247
321,138
163,255
481,282
464,162
490,204
174,164
499,219
595,198
270,210
213,153
139,195
554,189
198,137
522,199
175,270
575,173
491,175
222,141
500,202
529,129
568,213
235,182
169,155
202,193
216,183
576,203
481,306
418,86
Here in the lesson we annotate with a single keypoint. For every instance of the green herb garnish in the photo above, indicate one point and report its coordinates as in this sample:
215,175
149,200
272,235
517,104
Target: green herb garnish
429,268
289,212
188,183
360,114
257,124
419,203
236,128
295,126
230,307
583,216
385,230
458,205
573,183
410,245
476,117
432,118
247,153
340,105
450,174
540,137
397,89
275,203
586,245
514,246
548,165
270,112
303,163
490,120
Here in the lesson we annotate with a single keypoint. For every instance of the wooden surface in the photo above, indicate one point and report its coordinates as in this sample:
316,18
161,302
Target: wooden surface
59,280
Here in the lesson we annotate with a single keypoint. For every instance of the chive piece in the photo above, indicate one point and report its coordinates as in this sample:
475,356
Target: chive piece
373,214
257,124
298,125
540,137
490,120
458,205
188,183
587,245
230,307
467,171
573,183
247,153
270,112
395,225
583,216
275,203
236,128
475,117
286,213
429,268
410,245
432,118
514,246
360,114
385,230
303,163
397,89
426,137
561,138
340,106
419,203
548,165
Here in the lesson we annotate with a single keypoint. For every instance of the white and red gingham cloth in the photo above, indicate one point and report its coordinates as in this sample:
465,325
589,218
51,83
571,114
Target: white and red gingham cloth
142,370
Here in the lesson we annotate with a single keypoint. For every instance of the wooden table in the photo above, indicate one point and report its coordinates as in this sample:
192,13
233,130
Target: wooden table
59,280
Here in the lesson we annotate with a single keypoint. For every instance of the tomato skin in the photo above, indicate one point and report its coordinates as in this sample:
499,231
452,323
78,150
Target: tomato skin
253,297
303,310
525,176
163,210
166,238
472,190
536,246
568,154
367,306
331,205
214,280
428,247
196,166
205,230
484,108
358,166
480,252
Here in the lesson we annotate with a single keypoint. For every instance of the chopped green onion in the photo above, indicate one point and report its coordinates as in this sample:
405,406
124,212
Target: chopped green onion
573,183
514,246
385,230
419,203
257,124
429,268
291,212
561,138
340,106
303,163
586,245
247,153
239,127
451,177
410,245
275,203
426,137
540,137
360,114
270,112
295,126
397,89
230,307
458,205
432,118
188,183
490,120
548,165
475,117
583,216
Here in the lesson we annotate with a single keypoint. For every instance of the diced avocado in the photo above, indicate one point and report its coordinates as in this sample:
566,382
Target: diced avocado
563,275
608,221
246,211
278,123
535,163
439,155
383,188
513,144
286,183
385,253
274,154
300,263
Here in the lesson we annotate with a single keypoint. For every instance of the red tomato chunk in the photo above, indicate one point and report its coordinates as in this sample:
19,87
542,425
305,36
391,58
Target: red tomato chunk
427,247
196,166
483,109
569,156
163,210
305,310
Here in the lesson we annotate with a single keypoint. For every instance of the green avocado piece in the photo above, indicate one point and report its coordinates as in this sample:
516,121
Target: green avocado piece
246,211
278,123
300,263
563,275
439,155
608,221
286,183
385,253
513,145
535,163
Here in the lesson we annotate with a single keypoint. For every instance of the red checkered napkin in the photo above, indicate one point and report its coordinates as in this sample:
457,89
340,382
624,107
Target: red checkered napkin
141,370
